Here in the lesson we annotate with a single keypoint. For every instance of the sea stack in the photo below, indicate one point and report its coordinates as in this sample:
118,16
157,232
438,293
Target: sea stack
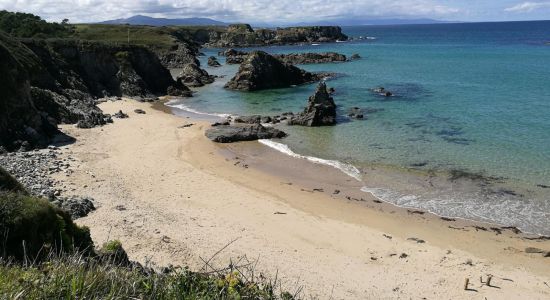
320,110
263,71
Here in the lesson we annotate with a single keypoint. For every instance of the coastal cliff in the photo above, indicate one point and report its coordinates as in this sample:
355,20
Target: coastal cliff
49,82
243,35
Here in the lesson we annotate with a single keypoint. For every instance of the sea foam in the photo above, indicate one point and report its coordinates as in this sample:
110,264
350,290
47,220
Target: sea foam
194,111
347,169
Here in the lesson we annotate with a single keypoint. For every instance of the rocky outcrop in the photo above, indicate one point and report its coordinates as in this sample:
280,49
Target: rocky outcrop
182,53
193,75
320,110
242,35
237,57
262,71
20,121
237,133
57,81
233,57
311,58
213,62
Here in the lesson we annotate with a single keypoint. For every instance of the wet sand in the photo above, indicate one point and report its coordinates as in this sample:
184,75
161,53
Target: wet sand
173,197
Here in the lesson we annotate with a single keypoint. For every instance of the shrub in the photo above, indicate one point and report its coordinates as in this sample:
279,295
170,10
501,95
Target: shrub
8,183
30,227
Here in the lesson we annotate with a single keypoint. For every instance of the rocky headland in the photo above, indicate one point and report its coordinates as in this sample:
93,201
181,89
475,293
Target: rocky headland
262,71
243,35
237,57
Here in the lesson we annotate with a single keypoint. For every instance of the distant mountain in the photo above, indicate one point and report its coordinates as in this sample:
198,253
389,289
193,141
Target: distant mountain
368,21
145,20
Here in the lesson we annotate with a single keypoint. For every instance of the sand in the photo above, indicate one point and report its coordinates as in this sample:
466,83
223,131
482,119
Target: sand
173,197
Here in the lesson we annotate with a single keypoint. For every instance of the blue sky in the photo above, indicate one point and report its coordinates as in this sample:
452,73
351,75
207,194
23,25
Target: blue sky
285,11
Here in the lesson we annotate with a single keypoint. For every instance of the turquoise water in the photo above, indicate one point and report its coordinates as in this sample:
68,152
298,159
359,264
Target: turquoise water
469,97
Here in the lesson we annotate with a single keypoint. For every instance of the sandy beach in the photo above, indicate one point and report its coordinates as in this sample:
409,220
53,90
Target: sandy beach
173,197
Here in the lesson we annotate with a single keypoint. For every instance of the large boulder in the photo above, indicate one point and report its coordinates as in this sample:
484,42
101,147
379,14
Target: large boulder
262,71
213,62
233,57
237,133
320,110
193,75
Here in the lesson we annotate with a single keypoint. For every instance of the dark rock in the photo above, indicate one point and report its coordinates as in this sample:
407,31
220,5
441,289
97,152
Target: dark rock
236,133
182,53
533,250
320,111
356,113
139,111
78,207
193,75
213,62
179,90
310,58
233,57
249,119
120,115
262,71
355,56
220,124
236,57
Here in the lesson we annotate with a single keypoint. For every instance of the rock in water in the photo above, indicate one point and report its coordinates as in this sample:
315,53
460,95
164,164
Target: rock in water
262,71
320,110
237,133
193,75
213,62
233,57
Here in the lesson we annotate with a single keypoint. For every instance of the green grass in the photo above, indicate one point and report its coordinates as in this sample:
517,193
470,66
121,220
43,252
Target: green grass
75,277
158,37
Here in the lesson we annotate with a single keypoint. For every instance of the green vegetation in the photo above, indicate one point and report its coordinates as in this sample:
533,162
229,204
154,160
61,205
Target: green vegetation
8,183
72,277
31,227
44,255
156,37
31,26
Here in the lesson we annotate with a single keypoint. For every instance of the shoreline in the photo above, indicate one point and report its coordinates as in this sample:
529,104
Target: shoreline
384,172
257,192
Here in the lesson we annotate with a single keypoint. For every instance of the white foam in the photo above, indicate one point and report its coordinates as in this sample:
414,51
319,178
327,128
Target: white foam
348,169
191,110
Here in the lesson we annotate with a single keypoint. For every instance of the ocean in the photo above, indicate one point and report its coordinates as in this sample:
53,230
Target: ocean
466,134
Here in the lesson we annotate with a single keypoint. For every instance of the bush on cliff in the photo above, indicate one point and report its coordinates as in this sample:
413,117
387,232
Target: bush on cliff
31,228
8,183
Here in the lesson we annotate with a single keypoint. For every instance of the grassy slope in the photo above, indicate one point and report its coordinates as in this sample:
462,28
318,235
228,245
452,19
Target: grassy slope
72,277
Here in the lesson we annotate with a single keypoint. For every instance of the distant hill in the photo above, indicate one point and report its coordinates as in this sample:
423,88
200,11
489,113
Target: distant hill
145,20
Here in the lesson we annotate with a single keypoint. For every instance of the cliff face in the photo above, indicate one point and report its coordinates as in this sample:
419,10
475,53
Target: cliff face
99,70
243,35
57,81
20,120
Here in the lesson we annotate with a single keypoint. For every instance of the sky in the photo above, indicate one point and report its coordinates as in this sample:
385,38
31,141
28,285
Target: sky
284,11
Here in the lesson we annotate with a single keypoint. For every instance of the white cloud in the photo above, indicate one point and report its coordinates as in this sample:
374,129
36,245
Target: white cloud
229,10
527,7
